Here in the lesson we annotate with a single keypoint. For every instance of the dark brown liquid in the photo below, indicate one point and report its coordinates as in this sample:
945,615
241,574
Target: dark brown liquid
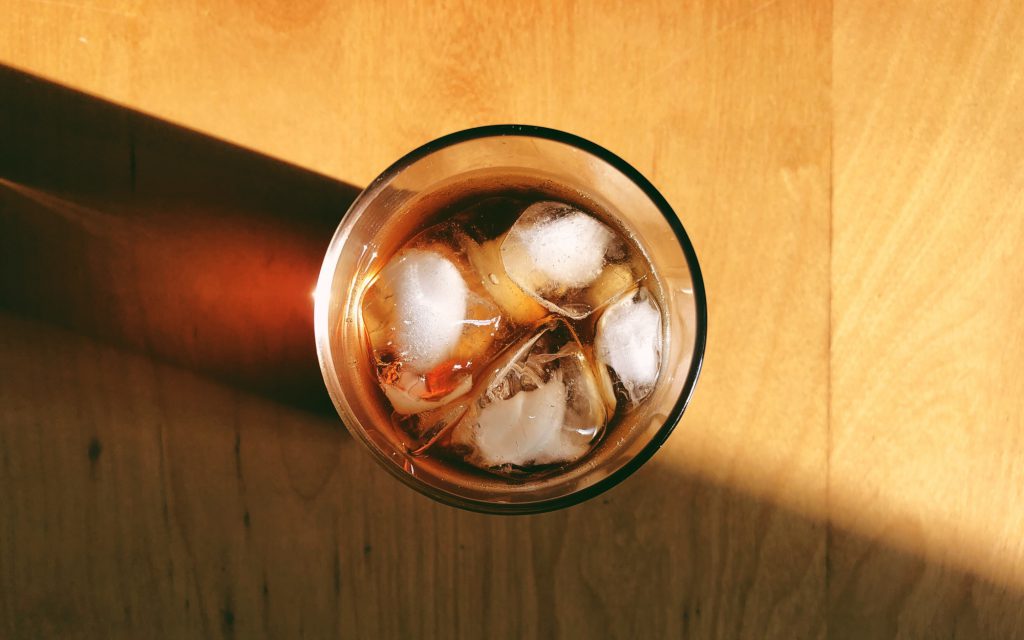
482,211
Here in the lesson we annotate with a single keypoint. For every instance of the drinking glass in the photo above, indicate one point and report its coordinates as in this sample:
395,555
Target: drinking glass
370,232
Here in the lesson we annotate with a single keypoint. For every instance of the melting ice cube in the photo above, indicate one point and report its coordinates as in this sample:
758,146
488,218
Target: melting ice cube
416,309
515,303
569,261
540,404
628,341
428,328
478,231
429,426
409,393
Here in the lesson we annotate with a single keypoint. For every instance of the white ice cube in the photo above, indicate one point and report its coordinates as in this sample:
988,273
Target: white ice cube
430,300
628,341
567,260
541,404
566,250
526,429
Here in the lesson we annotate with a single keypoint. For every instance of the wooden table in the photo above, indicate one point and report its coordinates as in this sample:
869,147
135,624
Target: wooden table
852,176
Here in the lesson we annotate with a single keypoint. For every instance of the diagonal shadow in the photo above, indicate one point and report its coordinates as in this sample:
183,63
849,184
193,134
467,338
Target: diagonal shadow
150,236
278,528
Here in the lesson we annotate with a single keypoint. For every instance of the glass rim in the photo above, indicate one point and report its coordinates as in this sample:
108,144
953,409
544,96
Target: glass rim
326,359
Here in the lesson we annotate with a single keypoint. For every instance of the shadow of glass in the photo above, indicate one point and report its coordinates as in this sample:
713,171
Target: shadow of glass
176,505
154,237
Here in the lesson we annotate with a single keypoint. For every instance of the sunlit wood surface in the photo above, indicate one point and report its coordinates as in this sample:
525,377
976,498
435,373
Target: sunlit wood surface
851,174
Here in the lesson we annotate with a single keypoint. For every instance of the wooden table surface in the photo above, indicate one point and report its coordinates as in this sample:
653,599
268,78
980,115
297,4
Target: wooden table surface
852,175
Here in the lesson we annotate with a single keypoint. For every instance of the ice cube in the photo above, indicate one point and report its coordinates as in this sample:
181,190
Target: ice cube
429,426
416,308
410,393
628,342
514,302
478,231
428,327
569,261
540,404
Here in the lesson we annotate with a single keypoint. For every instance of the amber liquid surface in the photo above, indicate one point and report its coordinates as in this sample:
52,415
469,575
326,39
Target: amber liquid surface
483,211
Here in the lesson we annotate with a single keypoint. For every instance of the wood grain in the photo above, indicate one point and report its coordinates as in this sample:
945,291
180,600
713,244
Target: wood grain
850,466
927,447
155,501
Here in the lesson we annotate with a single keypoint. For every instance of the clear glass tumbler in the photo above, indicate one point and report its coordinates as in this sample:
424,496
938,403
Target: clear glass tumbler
367,234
